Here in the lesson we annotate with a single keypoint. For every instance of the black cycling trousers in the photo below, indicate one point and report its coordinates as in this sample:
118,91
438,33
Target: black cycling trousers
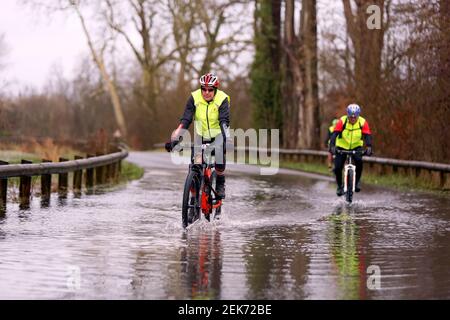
339,162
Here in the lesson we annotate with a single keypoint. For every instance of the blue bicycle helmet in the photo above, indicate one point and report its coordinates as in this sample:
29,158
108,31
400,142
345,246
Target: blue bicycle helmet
353,110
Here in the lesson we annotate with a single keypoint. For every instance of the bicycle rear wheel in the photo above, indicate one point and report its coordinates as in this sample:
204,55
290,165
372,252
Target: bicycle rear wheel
349,194
191,199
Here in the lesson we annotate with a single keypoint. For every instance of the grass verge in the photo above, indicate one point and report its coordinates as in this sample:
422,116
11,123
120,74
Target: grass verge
130,172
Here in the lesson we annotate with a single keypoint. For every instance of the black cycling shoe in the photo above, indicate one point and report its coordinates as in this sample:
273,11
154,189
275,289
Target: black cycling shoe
358,187
340,191
220,187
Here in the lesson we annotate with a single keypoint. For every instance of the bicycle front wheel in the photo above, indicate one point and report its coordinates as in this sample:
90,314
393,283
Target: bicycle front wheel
191,199
217,211
349,195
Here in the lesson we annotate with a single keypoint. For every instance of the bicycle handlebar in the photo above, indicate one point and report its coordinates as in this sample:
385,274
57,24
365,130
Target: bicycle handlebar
169,146
353,152
349,151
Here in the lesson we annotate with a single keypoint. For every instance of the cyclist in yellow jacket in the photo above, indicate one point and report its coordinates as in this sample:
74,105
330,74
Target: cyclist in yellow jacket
327,143
350,133
209,107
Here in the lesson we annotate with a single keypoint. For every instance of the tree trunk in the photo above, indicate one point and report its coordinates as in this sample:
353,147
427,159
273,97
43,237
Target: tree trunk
110,86
443,78
368,46
292,80
265,71
444,45
309,133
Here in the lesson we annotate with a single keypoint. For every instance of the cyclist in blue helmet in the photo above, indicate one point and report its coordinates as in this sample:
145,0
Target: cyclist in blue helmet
350,133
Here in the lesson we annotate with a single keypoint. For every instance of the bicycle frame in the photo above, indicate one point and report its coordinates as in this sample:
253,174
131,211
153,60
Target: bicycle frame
199,193
349,170
207,202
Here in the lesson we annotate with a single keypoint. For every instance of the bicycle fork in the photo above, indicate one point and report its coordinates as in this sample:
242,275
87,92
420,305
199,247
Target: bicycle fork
347,168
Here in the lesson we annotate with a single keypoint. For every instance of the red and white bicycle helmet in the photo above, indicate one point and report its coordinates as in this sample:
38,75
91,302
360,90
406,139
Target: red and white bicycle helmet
209,80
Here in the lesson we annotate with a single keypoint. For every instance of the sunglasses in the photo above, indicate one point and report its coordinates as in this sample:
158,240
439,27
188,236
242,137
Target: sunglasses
208,90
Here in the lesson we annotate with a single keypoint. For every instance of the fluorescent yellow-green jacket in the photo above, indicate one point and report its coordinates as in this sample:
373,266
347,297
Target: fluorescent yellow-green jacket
206,117
351,135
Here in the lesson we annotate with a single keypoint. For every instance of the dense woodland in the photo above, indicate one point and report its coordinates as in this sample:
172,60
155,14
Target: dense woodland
288,65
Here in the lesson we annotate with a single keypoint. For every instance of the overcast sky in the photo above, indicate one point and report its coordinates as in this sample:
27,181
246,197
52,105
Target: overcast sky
36,44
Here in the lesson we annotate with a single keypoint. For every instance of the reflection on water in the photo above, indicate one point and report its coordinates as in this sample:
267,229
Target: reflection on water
201,262
347,255
277,263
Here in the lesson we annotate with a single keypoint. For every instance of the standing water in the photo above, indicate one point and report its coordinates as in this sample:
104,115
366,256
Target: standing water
279,237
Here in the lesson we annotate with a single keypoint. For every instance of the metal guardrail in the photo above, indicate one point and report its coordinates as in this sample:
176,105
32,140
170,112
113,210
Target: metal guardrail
442,168
17,170
99,170
386,161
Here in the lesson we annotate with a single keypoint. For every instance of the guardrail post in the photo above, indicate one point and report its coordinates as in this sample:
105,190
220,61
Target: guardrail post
417,172
46,186
3,189
384,169
63,179
100,173
90,182
25,189
433,177
442,179
109,170
114,167
77,179
114,172
371,168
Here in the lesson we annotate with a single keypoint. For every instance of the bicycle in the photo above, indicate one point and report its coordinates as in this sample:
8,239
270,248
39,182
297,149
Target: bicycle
199,193
349,173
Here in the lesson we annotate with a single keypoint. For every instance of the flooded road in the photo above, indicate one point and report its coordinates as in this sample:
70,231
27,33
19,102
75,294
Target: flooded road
280,237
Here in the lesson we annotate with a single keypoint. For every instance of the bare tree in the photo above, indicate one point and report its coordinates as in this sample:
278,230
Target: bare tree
151,54
99,61
444,47
292,78
309,133
368,47
221,25
300,79
96,54
184,20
